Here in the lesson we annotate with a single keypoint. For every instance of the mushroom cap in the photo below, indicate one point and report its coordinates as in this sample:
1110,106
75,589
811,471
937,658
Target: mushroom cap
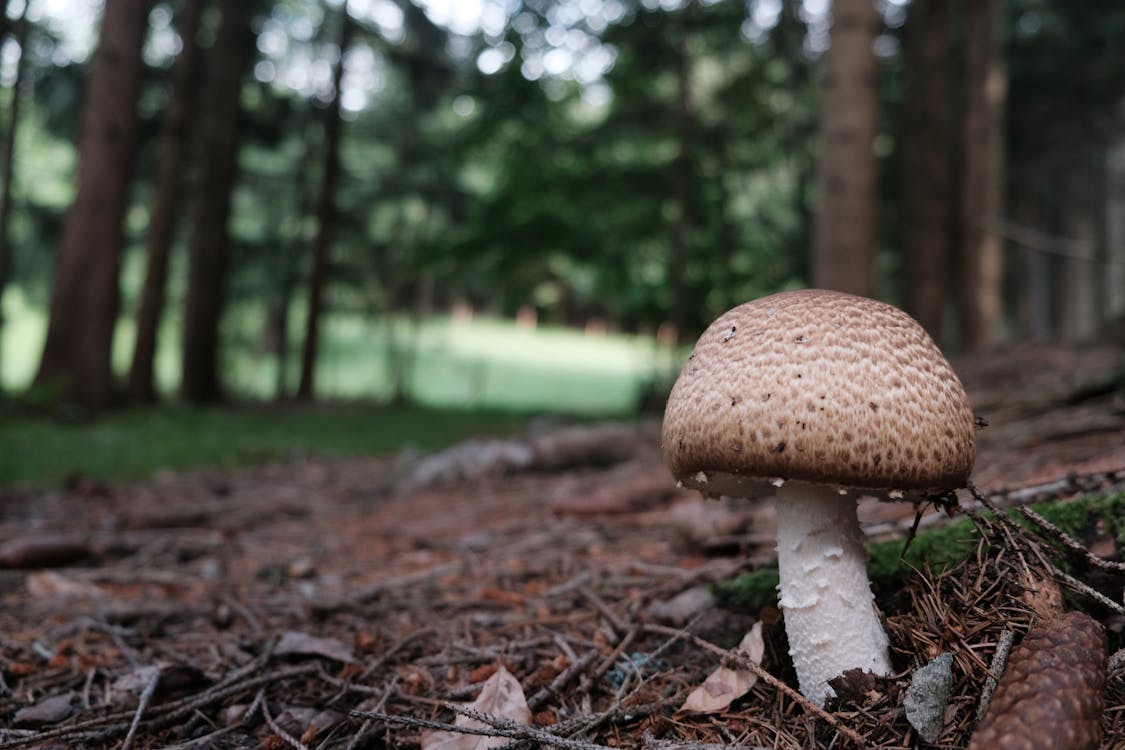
823,387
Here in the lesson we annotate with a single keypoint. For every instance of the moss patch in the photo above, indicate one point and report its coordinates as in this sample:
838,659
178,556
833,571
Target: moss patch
940,548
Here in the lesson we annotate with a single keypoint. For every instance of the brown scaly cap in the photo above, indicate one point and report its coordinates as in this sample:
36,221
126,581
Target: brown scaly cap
1052,693
823,387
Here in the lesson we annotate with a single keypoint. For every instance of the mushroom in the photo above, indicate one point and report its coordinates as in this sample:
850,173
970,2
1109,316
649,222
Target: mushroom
818,397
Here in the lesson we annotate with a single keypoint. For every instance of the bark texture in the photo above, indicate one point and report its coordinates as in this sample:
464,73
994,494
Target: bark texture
844,253
983,175
166,204
926,180
325,219
209,244
84,294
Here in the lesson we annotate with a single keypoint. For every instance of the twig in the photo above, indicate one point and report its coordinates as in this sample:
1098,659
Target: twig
1069,542
360,596
1094,594
366,726
168,713
207,739
496,727
599,604
287,738
995,670
243,612
612,659
561,679
142,706
394,649
744,662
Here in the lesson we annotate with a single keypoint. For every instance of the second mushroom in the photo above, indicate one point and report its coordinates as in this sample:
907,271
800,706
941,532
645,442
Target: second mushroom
818,397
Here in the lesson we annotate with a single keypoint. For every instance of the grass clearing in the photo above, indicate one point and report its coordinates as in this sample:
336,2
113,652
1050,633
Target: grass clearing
135,443
466,377
483,363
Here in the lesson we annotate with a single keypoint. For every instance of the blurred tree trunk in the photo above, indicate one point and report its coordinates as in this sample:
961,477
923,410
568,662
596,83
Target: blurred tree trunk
1033,290
5,22
166,203
325,217
210,239
84,294
844,251
926,159
1078,306
1115,231
983,175
790,34
7,155
685,167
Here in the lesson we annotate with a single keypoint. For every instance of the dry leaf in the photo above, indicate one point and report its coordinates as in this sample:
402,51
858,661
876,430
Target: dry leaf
724,685
302,644
45,584
502,697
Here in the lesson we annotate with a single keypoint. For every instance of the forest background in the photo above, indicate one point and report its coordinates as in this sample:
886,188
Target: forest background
533,204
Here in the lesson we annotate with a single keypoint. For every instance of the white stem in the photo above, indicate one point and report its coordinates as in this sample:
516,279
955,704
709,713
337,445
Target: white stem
830,614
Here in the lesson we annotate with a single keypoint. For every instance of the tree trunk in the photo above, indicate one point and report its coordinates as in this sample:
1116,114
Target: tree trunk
844,251
166,204
1079,288
983,175
85,295
685,166
5,22
1115,232
7,165
326,218
210,238
926,182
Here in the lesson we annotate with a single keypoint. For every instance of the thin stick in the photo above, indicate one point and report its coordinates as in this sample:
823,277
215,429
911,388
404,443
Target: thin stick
287,738
1069,542
995,670
496,727
744,662
142,706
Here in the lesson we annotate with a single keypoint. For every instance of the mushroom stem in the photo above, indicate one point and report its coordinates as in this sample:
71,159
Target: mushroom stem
830,615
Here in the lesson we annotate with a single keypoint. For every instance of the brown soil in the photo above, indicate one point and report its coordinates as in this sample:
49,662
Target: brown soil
321,604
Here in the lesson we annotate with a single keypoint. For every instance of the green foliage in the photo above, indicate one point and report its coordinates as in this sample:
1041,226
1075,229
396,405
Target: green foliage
509,192
138,442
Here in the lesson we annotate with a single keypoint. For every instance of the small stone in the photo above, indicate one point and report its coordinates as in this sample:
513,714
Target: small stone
47,711
928,696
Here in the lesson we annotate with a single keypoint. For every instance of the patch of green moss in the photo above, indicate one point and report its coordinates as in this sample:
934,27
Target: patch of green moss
750,591
938,548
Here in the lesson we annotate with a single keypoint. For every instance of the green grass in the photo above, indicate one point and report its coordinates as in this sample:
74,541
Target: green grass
136,443
487,363
483,375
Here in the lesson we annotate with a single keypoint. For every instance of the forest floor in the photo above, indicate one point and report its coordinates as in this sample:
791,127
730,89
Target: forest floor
553,589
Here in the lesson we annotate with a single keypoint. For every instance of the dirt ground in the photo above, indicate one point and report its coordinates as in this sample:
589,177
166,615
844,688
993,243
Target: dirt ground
352,603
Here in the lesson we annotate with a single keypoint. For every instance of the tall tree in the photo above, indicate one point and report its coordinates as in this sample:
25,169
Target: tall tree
325,216
84,294
8,150
982,190
844,246
685,168
166,203
925,238
208,246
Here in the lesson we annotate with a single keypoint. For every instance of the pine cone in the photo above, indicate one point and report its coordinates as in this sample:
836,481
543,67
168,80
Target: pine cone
1052,693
